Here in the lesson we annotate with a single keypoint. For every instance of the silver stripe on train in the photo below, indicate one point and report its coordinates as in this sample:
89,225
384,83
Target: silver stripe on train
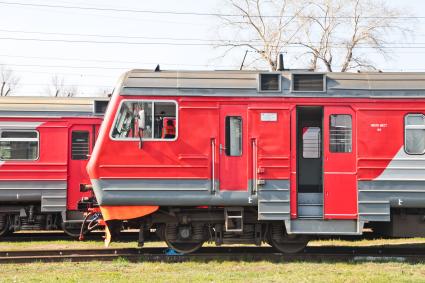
51,194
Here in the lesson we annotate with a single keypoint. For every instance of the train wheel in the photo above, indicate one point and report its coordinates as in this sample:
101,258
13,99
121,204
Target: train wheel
4,225
284,242
184,238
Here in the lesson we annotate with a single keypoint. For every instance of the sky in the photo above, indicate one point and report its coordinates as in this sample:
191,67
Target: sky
91,49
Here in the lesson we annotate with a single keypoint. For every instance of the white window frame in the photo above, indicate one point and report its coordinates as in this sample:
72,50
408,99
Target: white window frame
413,127
153,101
37,139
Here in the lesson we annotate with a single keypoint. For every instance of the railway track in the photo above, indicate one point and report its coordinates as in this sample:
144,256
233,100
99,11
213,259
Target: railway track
315,254
55,236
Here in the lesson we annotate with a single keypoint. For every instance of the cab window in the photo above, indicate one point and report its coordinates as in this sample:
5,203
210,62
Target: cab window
149,120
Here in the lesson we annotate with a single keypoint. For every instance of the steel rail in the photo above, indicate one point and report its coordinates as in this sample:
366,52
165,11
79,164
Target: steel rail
311,254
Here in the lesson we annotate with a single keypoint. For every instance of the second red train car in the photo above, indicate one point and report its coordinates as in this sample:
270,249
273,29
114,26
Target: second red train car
45,144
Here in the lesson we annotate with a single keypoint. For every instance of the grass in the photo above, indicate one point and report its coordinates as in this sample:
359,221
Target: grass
121,270
226,271
93,244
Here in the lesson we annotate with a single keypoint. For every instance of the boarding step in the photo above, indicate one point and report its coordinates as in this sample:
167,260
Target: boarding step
310,198
233,217
324,227
310,211
310,205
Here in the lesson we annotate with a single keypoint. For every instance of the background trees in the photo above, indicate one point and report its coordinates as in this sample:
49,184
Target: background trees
8,81
333,34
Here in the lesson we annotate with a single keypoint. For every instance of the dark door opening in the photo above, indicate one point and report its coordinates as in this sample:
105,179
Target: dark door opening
310,161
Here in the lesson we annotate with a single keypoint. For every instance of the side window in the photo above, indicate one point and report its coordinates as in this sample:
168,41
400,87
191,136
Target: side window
414,134
311,142
233,136
19,145
340,130
80,145
151,120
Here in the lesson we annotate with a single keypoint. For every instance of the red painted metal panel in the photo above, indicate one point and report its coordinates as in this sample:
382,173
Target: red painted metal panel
77,173
380,137
340,174
233,169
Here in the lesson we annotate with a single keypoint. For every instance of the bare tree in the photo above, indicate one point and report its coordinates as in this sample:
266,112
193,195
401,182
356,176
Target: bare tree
9,81
336,31
70,91
57,87
255,30
330,33
320,22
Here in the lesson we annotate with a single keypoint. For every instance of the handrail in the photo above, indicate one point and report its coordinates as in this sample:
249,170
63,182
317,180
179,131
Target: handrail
254,166
212,165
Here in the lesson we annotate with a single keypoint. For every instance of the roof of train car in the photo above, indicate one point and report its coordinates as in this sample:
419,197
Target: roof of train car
30,106
246,83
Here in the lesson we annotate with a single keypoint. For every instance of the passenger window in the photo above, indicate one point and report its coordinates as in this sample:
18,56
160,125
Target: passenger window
340,130
19,145
233,136
80,145
414,134
311,142
152,120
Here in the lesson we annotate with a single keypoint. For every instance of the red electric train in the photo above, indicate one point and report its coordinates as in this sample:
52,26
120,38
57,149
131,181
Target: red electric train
45,144
253,157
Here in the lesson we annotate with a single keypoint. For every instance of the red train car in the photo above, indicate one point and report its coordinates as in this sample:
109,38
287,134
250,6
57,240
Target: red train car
44,148
256,157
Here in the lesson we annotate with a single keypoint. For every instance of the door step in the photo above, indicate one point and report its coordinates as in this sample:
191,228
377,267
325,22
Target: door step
324,227
310,205
233,217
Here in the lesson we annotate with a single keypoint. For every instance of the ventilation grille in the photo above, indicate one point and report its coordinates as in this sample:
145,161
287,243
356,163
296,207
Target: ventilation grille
308,82
100,107
270,82
80,145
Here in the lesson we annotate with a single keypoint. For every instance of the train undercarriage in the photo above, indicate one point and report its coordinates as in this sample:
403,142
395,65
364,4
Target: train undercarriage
28,217
186,229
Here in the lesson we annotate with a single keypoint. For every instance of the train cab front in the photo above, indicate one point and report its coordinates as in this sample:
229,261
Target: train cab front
129,156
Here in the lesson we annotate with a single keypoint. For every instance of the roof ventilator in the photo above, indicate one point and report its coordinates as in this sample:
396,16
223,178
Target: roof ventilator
308,82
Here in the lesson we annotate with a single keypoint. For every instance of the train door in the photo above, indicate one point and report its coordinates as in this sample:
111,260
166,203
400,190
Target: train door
233,148
81,141
309,156
340,182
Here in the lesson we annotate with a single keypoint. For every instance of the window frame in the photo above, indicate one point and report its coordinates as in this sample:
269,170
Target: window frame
351,133
153,113
227,150
88,145
319,144
404,134
23,140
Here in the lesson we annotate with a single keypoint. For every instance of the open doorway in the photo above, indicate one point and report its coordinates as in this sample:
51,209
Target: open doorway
310,161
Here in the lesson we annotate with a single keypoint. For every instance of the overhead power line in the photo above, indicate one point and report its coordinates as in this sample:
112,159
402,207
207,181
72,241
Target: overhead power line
183,13
166,43
112,61
122,68
213,41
